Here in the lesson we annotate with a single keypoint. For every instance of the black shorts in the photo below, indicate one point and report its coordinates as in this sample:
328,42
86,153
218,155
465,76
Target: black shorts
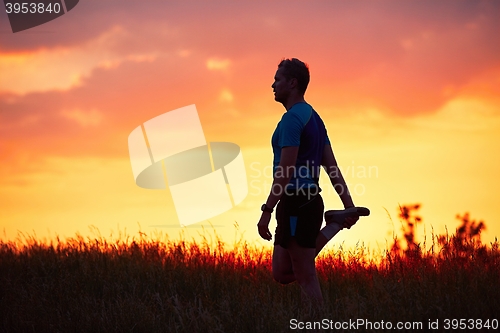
299,216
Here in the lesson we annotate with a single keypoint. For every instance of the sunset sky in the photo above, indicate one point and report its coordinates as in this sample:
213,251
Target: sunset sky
409,92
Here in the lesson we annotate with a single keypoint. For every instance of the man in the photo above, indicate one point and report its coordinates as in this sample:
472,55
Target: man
300,146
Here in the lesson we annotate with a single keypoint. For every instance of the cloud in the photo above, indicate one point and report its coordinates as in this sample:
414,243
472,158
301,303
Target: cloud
62,68
97,115
465,115
226,96
84,118
214,64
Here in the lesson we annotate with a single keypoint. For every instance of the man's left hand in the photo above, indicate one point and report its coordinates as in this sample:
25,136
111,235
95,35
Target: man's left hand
350,221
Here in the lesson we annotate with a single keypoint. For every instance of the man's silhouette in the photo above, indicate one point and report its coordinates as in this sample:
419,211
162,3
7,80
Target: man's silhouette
300,146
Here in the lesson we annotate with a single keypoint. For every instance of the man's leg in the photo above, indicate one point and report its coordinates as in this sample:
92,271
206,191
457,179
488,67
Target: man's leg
325,235
337,220
282,265
304,270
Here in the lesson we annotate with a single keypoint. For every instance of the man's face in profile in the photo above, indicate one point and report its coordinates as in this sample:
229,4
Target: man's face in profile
281,86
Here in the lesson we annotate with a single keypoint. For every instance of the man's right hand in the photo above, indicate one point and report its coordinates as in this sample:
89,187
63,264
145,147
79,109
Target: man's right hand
263,226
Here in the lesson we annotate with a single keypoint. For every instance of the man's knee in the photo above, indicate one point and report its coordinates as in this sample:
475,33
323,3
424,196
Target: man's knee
303,263
283,278
305,277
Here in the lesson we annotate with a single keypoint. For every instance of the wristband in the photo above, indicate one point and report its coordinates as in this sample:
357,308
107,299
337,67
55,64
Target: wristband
264,208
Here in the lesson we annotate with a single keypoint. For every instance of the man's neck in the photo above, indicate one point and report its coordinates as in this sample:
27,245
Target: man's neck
292,101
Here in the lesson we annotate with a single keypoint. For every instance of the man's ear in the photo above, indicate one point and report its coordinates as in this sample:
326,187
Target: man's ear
293,82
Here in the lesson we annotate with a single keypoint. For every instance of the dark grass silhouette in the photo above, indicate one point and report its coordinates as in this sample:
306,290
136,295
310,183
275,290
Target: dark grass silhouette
147,285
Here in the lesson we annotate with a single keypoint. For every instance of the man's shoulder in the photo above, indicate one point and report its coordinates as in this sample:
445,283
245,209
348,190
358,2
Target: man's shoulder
300,112
301,107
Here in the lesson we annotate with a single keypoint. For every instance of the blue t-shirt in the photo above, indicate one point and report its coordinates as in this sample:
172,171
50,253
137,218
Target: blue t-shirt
301,127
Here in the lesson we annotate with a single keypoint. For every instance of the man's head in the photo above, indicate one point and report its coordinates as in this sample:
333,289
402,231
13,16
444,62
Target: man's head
296,69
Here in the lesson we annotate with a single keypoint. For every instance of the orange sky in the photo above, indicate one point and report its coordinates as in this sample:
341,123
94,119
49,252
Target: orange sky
409,90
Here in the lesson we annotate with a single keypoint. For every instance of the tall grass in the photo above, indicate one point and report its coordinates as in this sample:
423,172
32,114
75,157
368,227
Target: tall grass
152,285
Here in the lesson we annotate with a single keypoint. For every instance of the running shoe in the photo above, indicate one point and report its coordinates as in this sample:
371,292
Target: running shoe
339,216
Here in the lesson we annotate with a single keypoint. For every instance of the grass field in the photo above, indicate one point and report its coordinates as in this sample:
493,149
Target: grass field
146,285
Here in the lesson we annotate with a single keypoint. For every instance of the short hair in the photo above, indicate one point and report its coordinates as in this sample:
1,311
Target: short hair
294,68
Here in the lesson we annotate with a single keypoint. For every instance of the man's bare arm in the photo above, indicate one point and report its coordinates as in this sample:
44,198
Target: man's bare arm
330,165
281,179
284,172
